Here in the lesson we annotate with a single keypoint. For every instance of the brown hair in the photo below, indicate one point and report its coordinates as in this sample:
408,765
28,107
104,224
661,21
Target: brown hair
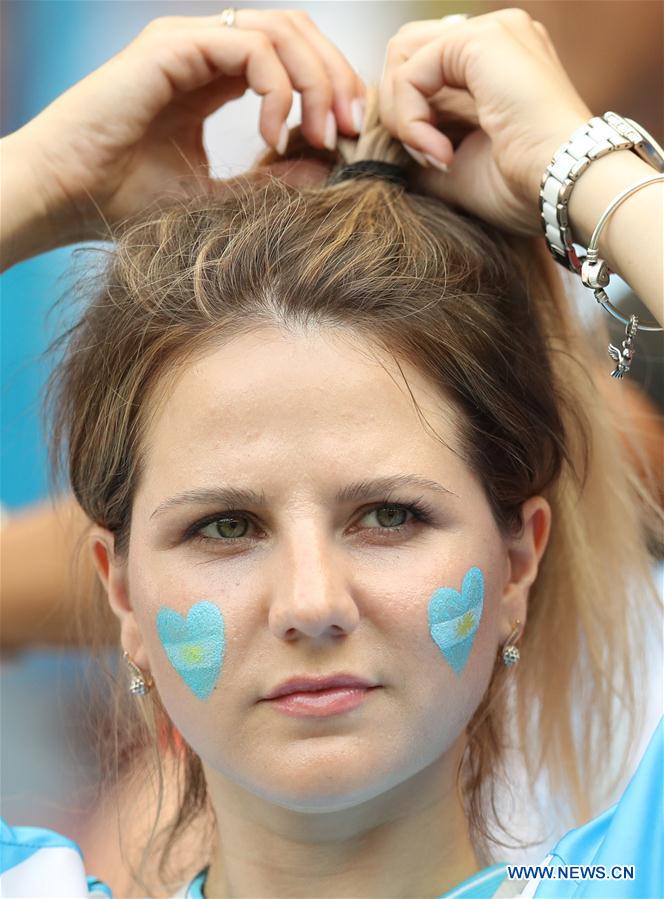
481,312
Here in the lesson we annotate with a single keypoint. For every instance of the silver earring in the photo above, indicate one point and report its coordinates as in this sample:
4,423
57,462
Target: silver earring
140,683
511,654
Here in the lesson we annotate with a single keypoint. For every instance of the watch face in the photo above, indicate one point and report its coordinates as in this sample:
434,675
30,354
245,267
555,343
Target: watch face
649,150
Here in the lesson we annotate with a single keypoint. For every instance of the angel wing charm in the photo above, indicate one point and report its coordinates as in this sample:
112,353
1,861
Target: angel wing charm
625,356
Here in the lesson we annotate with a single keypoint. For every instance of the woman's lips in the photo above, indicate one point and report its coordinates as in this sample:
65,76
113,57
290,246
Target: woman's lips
321,703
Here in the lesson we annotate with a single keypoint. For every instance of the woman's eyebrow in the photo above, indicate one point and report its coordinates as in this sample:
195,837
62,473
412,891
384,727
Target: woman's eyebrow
235,496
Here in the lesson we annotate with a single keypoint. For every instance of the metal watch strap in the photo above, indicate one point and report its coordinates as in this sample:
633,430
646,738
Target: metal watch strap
594,139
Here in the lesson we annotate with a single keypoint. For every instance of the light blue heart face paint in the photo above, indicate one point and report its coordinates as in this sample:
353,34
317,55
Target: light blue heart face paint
455,617
195,646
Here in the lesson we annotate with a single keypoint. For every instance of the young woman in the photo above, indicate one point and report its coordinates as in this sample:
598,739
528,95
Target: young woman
338,440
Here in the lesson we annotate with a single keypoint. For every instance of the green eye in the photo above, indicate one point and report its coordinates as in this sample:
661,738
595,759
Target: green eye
230,526
386,515
225,528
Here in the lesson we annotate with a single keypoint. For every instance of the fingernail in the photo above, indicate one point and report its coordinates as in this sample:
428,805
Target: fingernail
358,108
436,163
283,140
330,131
417,156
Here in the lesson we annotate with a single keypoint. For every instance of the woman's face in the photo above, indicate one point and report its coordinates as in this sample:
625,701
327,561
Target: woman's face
308,584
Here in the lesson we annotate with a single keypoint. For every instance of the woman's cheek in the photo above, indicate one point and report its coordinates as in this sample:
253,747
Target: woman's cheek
458,625
189,637
194,644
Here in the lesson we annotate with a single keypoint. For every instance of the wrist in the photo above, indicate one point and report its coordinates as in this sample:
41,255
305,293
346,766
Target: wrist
28,226
595,188
631,240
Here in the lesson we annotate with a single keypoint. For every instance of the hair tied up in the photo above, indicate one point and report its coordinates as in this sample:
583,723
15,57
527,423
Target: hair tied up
369,168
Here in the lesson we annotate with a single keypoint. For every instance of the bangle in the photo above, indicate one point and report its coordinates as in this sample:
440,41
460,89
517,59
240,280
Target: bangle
595,275
592,140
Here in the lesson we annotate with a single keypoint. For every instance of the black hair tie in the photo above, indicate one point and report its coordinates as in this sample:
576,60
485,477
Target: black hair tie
370,168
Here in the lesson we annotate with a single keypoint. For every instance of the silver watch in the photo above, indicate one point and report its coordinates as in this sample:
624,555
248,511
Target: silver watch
595,138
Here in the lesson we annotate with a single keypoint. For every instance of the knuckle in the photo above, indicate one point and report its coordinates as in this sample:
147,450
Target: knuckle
279,96
407,29
393,50
344,80
262,41
282,16
401,72
322,90
301,16
159,24
395,41
282,30
514,16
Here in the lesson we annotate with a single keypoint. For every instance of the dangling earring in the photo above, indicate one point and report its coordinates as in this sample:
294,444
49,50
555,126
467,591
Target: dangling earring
140,683
511,654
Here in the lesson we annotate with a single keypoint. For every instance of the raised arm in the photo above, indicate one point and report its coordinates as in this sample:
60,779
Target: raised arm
127,133
483,104
46,582
632,241
133,129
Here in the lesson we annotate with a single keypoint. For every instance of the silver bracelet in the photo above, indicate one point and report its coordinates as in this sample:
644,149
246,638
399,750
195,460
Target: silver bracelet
591,141
595,275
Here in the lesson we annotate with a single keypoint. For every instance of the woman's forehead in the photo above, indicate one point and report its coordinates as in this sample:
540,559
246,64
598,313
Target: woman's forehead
293,393
268,368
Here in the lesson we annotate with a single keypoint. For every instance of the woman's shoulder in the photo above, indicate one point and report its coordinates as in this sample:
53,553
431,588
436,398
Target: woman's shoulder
36,861
622,850
617,855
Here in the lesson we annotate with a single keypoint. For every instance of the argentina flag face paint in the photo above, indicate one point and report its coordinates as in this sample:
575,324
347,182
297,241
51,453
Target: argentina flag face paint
194,645
454,618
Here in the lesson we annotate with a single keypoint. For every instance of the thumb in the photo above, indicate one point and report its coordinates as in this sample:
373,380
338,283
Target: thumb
458,184
474,184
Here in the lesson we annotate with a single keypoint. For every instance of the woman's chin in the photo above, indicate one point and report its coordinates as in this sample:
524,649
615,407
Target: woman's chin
316,786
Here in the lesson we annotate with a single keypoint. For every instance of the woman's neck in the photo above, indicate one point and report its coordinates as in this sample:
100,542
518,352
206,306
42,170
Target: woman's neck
411,840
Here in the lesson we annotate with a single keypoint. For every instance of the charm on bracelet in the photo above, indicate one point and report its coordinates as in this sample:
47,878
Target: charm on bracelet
595,274
594,139
625,357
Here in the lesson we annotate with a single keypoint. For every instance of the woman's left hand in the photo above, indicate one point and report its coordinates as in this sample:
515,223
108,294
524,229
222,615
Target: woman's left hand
489,96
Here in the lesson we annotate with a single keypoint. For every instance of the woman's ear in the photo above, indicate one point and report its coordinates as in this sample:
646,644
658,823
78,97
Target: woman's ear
524,551
112,573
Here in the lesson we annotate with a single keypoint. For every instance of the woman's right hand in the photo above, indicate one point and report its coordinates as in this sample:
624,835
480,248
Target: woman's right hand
486,98
134,127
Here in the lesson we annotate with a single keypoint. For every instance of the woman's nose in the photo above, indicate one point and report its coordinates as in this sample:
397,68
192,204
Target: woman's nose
311,590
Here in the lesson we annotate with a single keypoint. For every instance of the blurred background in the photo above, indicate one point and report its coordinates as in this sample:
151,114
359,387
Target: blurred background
613,52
